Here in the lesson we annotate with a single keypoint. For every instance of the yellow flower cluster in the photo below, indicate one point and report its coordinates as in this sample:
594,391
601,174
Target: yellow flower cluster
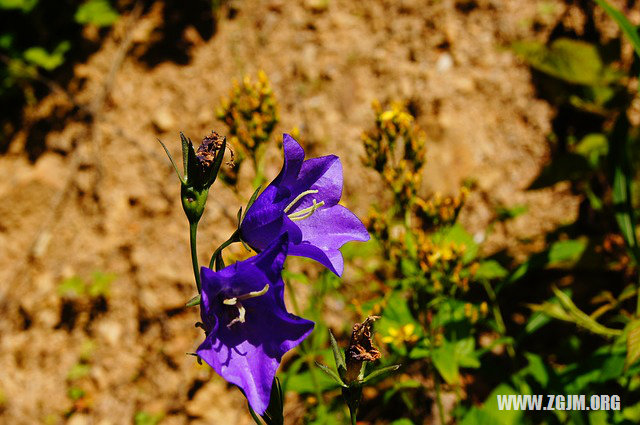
251,113
439,210
442,263
405,334
396,149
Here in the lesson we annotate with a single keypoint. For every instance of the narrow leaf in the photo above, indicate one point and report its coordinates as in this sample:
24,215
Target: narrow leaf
380,372
185,152
192,164
251,200
338,355
627,27
217,162
580,318
622,176
633,343
175,167
331,373
193,301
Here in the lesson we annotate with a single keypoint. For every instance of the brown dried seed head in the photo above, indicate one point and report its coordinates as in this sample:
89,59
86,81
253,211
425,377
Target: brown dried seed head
360,346
209,148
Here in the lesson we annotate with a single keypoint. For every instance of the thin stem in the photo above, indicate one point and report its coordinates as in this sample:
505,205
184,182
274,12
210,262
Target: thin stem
352,413
292,295
235,237
436,381
193,231
497,315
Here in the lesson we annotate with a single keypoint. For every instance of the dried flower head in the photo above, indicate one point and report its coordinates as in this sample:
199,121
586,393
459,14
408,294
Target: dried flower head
360,348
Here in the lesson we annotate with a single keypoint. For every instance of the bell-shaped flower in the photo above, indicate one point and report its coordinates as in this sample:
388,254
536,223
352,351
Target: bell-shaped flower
247,325
303,201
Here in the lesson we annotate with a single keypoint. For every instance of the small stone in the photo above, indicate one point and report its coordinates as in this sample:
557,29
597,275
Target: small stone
163,120
444,63
111,332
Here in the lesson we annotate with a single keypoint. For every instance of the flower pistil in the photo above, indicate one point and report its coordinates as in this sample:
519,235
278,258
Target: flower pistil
235,301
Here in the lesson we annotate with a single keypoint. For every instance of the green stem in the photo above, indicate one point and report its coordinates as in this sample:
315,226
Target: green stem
193,231
235,237
497,315
292,295
352,413
436,381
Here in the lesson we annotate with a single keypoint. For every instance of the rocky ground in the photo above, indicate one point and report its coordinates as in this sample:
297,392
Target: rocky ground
99,195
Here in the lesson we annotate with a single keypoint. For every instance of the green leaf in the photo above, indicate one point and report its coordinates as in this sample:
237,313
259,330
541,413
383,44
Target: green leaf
100,284
622,177
380,372
489,270
445,360
633,343
465,354
96,12
566,310
72,287
211,176
48,61
194,301
574,61
338,355
332,374
6,40
252,200
458,235
146,418
593,147
507,213
25,5
79,370
185,154
627,27
537,369
560,254
175,167
403,421
75,393
568,251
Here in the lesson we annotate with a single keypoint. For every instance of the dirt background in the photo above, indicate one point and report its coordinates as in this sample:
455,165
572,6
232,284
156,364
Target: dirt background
98,193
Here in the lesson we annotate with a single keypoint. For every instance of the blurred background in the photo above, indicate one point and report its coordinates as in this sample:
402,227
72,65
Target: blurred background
490,146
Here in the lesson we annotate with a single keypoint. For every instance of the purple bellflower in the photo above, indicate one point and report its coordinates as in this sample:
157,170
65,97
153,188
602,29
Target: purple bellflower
303,201
247,326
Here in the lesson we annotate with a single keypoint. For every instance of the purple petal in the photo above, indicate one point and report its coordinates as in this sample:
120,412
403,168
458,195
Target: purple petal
330,258
293,159
332,227
323,174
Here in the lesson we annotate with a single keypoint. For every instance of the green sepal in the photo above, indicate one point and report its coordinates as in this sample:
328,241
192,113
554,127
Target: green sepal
251,200
332,374
212,174
193,201
192,166
338,356
194,301
239,216
185,152
380,372
175,167
219,262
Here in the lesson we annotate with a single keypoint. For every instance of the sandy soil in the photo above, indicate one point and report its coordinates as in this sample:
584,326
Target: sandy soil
101,195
